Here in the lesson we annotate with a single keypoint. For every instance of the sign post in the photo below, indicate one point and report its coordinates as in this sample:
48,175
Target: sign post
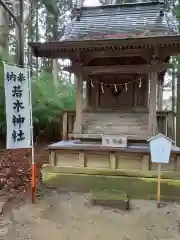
159,186
160,148
19,112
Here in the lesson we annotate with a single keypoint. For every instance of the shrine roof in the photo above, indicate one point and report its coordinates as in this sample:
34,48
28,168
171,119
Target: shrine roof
113,27
121,21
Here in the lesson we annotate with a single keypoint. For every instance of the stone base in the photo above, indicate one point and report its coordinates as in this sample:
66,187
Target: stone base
113,199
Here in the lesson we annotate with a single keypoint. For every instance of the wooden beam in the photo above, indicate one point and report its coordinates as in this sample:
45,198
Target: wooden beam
144,68
167,51
64,48
87,56
152,104
99,136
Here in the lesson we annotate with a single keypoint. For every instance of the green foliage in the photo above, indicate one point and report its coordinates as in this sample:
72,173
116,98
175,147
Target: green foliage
176,12
49,101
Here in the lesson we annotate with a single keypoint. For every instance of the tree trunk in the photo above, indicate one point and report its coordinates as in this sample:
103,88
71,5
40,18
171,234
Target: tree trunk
37,36
15,10
178,112
4,31
55,72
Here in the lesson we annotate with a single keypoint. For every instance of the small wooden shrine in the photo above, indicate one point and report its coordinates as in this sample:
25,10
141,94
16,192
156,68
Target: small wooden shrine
121,54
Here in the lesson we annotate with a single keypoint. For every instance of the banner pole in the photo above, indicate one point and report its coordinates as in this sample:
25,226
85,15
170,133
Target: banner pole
33,163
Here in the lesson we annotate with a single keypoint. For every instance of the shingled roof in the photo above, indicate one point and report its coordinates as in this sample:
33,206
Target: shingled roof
121,21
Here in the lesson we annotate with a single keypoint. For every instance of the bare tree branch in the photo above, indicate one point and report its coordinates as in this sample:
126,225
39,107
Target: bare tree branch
4,5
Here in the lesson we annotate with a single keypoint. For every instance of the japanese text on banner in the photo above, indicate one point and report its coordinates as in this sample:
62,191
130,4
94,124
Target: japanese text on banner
18,109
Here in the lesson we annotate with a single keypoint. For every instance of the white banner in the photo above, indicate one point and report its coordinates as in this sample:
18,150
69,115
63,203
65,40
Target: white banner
18,109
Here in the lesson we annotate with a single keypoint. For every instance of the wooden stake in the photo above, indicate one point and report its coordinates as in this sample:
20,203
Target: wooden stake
33,182
159,186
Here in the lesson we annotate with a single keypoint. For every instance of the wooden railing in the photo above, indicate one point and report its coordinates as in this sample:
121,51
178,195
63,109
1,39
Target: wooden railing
165,123
69,118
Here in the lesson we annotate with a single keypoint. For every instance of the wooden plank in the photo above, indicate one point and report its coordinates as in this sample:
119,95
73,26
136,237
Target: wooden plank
152,104
143,68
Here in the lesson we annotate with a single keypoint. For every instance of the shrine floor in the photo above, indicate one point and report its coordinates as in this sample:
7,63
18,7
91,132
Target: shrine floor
78,145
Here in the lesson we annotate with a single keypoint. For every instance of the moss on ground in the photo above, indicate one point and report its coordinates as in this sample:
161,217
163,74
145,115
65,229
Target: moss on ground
110,195
135,187
117,172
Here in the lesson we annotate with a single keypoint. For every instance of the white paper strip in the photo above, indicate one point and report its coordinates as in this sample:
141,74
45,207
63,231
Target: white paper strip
17,96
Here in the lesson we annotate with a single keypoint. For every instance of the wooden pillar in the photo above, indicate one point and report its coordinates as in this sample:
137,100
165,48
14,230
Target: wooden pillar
170,125
79,102
160,96
135,90
65,126
88,92
152,104
97,89
70,123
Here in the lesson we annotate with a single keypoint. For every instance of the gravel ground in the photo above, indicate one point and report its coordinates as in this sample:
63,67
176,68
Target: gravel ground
69,216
